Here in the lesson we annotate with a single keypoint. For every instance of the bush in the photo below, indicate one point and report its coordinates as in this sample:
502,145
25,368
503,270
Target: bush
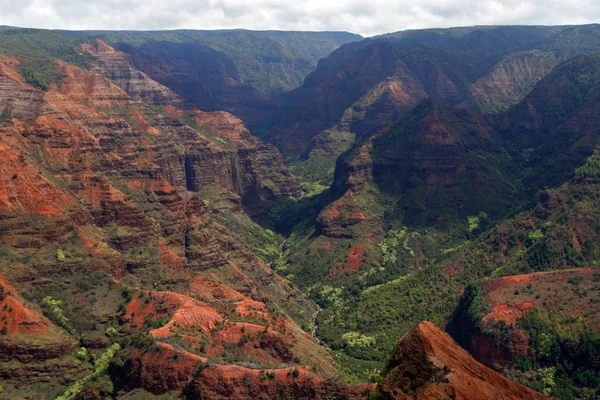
81,354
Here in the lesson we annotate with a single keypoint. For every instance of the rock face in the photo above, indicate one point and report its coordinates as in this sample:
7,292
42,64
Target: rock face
378,75
102,185
428,364
555,128
259,175
18,99
209,330
164,368
118,67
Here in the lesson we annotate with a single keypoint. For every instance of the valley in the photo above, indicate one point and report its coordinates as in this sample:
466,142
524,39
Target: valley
269,214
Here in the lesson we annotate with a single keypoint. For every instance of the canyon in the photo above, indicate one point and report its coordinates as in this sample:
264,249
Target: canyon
408,216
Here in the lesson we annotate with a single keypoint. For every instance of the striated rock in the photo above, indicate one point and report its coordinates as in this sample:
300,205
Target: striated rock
445,163
17,98
97,182
233,326
118,67
383,104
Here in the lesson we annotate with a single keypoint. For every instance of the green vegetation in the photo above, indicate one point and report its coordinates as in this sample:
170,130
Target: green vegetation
563,357
100,368
390,245
411,244
60,255
38,51
40,73
315,173
5,114
53,307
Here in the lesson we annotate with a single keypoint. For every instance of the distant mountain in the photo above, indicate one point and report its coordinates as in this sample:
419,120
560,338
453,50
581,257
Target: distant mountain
556,127
484,69
269,61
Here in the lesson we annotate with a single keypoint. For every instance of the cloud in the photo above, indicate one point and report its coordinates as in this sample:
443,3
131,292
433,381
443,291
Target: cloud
365,17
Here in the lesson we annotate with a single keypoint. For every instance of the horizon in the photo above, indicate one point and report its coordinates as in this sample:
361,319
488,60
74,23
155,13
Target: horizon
294,31
371,19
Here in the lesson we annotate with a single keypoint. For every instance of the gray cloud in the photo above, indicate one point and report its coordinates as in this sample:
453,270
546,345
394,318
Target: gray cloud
365,17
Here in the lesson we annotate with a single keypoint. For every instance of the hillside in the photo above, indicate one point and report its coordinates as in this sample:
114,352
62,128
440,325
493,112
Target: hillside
111,203
365,86
434,201
154,243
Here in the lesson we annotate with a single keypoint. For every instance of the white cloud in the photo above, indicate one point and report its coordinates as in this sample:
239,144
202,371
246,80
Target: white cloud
365,17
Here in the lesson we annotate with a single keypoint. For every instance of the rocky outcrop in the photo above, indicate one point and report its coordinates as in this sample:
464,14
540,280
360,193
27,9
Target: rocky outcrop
427,364
233,326
253,170
555,128
118,67
368,84
163,368
17,98
361,92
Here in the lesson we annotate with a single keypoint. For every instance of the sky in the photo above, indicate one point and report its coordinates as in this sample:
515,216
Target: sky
366,17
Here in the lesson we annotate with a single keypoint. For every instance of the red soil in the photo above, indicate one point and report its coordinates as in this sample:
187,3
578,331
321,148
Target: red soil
16,317
211,290
508,313
226,126
249,307
352,263
446,371
89,244
499,283
186,312
103,193
173,112
512,290
168,259
164,368
23,186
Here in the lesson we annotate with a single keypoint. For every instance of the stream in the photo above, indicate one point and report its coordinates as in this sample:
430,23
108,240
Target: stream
315,325
281,251
319,309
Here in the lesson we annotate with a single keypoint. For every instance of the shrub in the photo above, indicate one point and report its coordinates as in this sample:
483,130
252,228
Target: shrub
81,354
111,332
